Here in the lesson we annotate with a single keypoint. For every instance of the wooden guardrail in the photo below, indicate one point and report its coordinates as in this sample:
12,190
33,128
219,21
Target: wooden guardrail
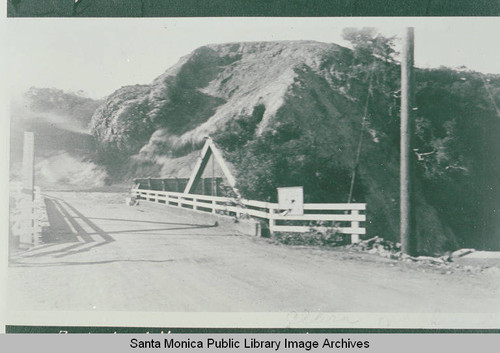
29,218
342,217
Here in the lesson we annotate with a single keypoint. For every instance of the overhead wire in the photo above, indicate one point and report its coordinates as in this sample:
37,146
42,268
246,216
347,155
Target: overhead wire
490,94
362,132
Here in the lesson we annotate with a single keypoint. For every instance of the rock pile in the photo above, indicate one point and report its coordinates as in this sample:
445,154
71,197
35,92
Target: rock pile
392,250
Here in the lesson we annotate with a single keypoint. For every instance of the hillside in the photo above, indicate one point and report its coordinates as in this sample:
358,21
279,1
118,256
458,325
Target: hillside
74,109
65,149
290,113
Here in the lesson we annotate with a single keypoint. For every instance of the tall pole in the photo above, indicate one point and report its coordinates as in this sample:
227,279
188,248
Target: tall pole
407,220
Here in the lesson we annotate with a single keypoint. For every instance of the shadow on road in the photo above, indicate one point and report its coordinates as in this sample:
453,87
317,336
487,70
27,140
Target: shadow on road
151,222
62,228
107,238
157,229
59,231
74,263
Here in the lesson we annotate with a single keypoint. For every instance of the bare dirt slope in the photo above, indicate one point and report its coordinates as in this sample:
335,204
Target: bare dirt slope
108,256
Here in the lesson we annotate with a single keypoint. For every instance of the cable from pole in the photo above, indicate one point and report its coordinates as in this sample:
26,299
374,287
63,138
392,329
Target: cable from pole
490,95
361,135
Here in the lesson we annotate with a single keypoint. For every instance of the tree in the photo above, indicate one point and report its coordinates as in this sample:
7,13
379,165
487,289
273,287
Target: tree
373,59
367,43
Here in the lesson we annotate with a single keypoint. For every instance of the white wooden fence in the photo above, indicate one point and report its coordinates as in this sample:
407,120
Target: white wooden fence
29,218
342,217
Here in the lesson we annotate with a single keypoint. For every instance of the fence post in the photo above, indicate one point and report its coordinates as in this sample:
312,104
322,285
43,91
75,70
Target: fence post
213,206
194,204
36,230
36,222
272,222
355,225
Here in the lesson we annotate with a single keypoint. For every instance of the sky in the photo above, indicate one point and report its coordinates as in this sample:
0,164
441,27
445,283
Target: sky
98,56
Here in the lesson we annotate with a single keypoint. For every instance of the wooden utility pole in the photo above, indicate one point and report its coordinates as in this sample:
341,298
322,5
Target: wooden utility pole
407,207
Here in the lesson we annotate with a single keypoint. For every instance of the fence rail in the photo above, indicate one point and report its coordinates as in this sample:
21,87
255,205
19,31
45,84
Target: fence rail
344,218
29,218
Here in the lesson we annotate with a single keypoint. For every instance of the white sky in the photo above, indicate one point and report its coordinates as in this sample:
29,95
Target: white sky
100,55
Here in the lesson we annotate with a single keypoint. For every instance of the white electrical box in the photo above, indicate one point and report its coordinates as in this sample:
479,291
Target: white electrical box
291,200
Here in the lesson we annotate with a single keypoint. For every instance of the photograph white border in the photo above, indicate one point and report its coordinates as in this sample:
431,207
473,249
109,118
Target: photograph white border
219,320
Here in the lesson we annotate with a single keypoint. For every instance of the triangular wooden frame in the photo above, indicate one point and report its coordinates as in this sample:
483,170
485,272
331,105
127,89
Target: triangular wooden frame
208,150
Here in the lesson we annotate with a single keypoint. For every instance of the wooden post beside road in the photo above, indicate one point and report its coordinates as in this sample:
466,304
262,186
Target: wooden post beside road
355,225
407,217
272,221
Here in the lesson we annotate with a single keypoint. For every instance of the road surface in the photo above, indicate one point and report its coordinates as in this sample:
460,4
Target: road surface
101,254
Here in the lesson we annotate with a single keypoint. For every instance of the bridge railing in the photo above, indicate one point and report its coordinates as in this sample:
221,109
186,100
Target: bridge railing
343,218
28,216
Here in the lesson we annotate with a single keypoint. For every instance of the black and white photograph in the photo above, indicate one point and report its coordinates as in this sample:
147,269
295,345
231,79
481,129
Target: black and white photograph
253,172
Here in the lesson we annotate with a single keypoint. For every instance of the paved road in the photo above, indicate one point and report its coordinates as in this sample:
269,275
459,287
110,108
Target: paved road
103,255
